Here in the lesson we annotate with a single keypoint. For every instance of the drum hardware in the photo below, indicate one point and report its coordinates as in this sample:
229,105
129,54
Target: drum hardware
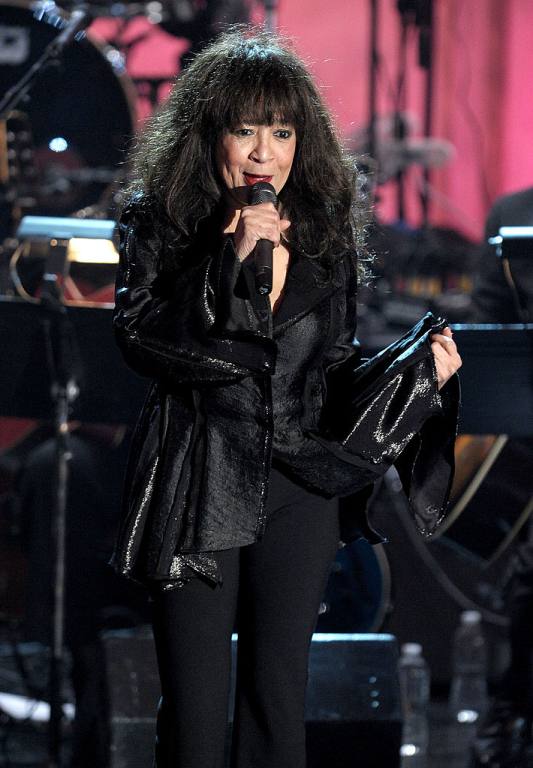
77,123
21,88
17,168
81,124
199,22
4,164
357,597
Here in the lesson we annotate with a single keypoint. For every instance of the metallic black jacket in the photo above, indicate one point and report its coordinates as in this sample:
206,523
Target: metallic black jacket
232,389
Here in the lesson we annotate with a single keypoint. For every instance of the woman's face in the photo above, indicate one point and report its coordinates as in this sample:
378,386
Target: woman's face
250,153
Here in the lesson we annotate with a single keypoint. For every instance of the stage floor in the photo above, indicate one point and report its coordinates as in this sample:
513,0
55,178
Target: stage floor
24,746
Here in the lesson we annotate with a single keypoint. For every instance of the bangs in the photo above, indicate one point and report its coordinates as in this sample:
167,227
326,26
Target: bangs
261,92
262,108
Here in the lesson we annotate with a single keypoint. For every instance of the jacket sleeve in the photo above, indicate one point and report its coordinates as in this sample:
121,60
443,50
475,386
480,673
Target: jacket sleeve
199,323
388,411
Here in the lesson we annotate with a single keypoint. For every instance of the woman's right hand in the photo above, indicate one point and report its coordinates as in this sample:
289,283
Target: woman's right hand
258,222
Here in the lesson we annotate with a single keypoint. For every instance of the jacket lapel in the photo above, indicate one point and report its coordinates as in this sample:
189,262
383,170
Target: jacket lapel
307,285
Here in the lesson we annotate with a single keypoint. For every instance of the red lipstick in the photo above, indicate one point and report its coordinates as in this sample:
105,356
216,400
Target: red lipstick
252,178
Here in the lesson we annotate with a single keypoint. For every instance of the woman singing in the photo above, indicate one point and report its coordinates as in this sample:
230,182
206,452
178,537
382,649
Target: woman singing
232,514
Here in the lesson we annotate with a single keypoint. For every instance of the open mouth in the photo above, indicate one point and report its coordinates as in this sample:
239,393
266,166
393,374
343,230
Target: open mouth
253,178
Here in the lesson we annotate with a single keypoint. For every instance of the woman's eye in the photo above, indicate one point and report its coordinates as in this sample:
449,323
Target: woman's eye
243,132
283,133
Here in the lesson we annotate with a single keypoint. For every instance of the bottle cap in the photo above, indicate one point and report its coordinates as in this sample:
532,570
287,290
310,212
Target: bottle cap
470,617
411,649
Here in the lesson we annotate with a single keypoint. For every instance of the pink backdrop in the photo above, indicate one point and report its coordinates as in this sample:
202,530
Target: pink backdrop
482,102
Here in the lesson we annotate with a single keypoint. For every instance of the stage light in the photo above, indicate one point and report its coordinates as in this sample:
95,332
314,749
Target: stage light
59,144
91,251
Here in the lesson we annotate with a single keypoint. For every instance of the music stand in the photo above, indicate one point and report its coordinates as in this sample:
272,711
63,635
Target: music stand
514,245
513,241
496,378
110,392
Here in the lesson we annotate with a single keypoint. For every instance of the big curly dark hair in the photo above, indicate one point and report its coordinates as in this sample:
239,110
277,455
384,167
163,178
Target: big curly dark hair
249,75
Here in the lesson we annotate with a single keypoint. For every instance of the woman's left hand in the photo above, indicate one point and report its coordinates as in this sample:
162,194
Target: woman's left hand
447,358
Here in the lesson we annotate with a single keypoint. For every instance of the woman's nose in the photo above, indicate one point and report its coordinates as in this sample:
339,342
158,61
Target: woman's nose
262,151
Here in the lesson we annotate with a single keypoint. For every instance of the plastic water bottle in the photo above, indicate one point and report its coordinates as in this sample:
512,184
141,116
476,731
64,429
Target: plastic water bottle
414,686
468,692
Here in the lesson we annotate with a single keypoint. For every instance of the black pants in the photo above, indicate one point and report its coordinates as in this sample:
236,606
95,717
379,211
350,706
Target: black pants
273,589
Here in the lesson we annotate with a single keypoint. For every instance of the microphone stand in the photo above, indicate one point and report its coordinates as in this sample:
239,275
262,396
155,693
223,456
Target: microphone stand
271,15
425,60
419,13
405,8
63,360
79,20
373,64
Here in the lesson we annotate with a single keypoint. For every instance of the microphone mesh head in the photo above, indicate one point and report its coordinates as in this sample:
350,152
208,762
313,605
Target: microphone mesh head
262,192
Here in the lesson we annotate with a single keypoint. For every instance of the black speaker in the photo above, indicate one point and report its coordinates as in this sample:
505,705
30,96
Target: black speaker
353,712
353,701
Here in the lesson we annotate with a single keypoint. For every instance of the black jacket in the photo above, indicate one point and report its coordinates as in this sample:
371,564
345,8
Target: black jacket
232,389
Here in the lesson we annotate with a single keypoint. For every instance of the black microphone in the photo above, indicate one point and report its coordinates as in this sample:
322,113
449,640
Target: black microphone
263,192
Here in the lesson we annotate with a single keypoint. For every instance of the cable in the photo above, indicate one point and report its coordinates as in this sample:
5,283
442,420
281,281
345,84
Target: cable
17,283
520,309
399,502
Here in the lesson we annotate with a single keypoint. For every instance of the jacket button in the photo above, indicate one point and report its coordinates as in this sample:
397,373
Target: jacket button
267,365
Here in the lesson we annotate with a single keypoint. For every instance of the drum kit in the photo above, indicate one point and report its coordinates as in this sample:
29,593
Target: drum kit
63,146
